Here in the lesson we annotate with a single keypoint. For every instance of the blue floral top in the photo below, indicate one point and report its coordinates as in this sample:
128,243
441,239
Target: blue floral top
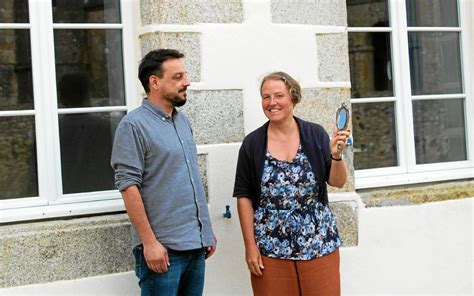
290,223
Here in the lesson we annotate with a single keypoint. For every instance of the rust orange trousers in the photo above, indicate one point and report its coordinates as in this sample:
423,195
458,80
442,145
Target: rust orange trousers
318,276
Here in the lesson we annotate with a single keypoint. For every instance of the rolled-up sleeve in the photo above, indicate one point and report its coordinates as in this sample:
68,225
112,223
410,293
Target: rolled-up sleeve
128,156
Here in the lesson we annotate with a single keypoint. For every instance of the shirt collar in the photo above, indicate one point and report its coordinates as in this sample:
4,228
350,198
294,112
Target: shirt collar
157,110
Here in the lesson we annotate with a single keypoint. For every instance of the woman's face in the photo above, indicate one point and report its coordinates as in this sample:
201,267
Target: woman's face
276,101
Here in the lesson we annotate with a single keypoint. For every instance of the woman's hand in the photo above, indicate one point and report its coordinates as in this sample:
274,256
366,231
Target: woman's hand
254,260
338,142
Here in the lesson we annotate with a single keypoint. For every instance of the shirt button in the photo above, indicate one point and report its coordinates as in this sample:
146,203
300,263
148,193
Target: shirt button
182,141
163,118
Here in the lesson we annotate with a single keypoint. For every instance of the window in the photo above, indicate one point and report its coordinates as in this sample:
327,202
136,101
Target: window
410,92
17,121
64,86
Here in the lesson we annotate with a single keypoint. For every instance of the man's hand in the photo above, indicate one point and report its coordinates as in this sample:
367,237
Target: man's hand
210,250
156,257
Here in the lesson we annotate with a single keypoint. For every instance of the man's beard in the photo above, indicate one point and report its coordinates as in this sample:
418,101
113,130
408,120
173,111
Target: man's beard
176,100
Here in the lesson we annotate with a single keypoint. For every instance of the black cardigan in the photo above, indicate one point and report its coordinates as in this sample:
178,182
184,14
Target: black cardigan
315,142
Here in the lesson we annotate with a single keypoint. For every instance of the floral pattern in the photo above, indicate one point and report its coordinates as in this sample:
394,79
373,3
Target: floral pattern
290,222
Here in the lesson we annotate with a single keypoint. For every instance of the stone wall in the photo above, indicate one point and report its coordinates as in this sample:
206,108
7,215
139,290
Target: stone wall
191,12
64,249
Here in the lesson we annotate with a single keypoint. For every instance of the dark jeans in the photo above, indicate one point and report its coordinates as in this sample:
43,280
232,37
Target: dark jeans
185,275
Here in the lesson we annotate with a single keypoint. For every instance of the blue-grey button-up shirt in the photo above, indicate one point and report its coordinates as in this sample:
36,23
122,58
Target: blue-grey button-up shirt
158,154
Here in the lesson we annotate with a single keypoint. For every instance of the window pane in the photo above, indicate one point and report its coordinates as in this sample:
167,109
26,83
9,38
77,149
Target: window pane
435,63
18,173
16,82
370,63
86,11
440,135
375,140
86,146
432,13
14,11
367,13
89,68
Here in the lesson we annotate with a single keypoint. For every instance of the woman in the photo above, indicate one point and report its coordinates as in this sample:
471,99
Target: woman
290,235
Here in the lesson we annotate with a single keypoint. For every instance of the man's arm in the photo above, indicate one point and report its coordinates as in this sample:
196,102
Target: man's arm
156,255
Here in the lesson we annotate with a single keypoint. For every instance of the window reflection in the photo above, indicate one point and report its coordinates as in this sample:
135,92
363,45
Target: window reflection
370,64
366,13
435,63
86,11
97,54
74,90
374,133
14,11
439,130
16,82
86,145
432,13
18,172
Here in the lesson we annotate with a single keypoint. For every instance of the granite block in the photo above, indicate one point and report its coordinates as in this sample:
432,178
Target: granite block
417,193
191,11
186,42
203,168
320,105
346,214
333,57
64,249
310,12
216,116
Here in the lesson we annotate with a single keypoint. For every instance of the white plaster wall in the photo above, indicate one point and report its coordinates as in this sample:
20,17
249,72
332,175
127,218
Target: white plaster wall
226,268
425,249
410,250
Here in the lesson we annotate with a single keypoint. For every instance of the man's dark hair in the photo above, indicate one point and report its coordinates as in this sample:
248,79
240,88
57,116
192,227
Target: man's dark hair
151,64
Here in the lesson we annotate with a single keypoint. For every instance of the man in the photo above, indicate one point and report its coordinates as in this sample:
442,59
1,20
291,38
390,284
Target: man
156,170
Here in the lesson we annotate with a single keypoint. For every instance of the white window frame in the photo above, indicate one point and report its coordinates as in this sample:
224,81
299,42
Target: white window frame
407,171
51,202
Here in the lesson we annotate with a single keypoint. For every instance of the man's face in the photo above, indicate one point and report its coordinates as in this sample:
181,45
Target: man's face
173,84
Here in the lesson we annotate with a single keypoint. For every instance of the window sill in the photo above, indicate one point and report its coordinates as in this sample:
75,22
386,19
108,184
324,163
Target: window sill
362,182
61,210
